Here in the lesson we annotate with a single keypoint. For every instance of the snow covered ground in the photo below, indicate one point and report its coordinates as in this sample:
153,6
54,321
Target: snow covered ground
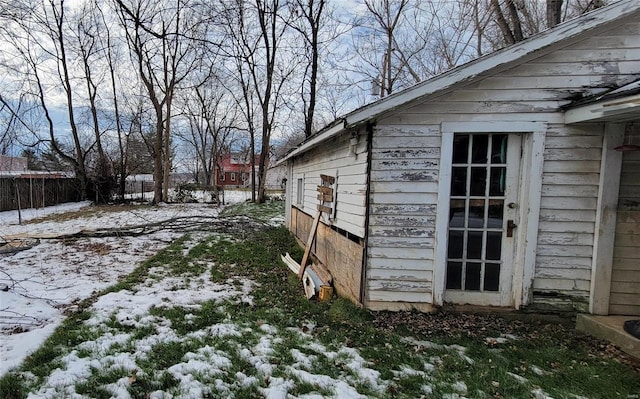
126,347
38,285
49,279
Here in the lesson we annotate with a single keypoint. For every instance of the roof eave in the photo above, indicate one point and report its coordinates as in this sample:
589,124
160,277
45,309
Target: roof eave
616,110
331,131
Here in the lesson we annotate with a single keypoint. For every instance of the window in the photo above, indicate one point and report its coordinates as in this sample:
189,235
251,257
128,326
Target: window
233,176
300,196
222,176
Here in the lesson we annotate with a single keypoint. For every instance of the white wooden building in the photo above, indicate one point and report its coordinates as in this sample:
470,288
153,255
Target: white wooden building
501,182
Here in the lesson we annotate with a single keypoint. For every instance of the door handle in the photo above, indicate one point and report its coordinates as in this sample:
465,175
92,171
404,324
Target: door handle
510,227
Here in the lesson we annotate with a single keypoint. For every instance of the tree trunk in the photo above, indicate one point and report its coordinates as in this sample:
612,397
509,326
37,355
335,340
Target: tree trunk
158,174
167,150
79,165
554,12
515,20
507,34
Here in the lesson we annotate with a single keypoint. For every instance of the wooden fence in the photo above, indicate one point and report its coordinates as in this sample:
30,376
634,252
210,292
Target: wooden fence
36,192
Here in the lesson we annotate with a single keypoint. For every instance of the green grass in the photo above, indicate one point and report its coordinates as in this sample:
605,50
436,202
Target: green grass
264,212
329,337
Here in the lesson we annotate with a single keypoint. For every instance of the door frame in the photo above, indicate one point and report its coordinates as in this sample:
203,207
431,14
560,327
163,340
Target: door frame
529,194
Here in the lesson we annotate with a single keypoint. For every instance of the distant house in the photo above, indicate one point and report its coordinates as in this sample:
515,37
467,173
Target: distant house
510,181
13,164
235,170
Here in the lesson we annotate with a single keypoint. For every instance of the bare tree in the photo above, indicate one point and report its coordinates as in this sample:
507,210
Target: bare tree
387,14
9,120
38,36
254,34
110,51
212,117
161,42
518,20
313,17
91,54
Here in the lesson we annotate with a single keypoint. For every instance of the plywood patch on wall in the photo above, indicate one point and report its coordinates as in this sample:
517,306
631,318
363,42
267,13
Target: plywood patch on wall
342,256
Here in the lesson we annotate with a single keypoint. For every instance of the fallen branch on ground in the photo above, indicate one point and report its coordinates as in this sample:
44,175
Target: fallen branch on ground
185,224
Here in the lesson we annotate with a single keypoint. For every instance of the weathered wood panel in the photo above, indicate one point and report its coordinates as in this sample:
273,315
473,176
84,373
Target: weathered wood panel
566,227
624,309
404,175
340,255
404,264
552,190
401,253
625,276
333,159
378,294
575,167
571,175
403,275
404,164
566,239
570,274
565,250
404,186
567,215
569,287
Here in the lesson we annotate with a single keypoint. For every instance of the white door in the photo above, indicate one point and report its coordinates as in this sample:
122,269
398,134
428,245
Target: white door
483,218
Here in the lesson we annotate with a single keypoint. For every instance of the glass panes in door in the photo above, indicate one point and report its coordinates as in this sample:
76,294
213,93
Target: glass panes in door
476,219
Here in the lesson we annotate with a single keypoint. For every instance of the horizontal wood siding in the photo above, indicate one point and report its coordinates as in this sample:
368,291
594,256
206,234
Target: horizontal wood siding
571,174
404,186
532,92
333,158
625,277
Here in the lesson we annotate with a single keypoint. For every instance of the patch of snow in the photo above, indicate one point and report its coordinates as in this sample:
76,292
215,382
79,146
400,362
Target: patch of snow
518,378
537,370
339,387
277,389
118,389
460,387
258,356
303,361
245,380
49,278
406,371
540,394
452,396
357,365
497,340
12,217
